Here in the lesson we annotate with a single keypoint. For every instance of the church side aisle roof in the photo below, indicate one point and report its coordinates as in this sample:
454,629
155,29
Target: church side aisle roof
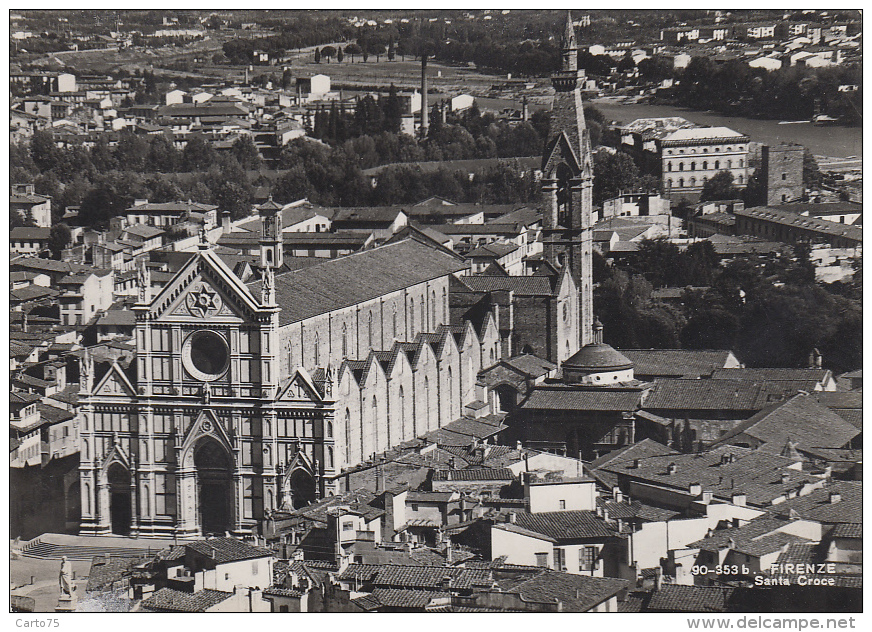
357,278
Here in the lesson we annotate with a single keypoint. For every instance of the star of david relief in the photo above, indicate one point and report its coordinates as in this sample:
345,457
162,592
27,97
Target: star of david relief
203,301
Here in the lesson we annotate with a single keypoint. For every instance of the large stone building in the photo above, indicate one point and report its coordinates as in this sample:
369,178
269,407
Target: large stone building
244,398
248,397
685,156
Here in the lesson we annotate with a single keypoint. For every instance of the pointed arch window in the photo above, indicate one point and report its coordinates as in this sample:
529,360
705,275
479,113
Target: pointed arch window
344,340
347,435
412,317
564,194
317,351
369,333
444,306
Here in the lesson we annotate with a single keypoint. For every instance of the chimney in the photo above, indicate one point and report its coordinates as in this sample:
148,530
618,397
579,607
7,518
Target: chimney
225,222
695,489
425,124
658,579
518,445
617,496
637,463
24,322
379,479
671,469
740,500
731,543
512,517
835,497
785,477
707,497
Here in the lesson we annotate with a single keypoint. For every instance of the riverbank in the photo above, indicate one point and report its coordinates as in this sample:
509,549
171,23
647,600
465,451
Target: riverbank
833,141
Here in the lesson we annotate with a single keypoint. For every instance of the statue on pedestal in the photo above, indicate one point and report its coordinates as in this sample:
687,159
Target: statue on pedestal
67,599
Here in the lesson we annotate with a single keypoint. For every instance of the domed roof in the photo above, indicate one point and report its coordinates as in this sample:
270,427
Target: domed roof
597,357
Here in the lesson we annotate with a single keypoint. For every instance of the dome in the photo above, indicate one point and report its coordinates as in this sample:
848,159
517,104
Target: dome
597,357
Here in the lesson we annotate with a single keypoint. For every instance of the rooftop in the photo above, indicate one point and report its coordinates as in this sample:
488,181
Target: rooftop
357,278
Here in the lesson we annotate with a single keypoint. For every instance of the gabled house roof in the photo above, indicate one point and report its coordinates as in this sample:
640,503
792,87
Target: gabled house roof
224,550
799,419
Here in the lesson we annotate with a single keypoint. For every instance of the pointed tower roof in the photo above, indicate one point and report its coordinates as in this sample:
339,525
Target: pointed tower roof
568,33
270,205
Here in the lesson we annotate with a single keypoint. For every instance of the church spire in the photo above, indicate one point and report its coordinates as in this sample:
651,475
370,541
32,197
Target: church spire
568,45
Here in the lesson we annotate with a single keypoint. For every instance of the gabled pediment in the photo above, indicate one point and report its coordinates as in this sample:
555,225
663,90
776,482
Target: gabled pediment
558,150
204,289
117,454
300,388
207,424
115,383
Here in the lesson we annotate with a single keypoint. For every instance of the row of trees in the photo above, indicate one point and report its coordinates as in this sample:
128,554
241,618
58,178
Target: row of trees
768,310
791,93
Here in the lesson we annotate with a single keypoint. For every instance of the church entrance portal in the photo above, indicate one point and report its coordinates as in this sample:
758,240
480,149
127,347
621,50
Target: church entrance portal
119,500
214,487
303,488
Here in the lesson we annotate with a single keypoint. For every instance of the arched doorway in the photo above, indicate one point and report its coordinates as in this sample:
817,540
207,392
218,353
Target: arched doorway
214,486
119,499
302,488
508,396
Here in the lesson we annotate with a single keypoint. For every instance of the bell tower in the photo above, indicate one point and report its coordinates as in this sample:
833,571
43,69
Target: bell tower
567,181
271,246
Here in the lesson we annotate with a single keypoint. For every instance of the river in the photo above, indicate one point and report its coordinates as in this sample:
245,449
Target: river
835,141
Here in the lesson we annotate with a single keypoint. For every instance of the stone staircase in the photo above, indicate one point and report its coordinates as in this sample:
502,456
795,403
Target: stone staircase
38,549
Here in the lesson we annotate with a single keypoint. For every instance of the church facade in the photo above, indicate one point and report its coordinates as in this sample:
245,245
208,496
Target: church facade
246,398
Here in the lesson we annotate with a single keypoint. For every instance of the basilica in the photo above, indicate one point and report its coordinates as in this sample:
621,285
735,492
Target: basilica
246,397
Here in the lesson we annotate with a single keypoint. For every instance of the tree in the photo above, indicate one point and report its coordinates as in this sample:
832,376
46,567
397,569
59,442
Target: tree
59,238
710,329
43,151
339,55
393,111
811,173
198,154
613,173
719,187
755,193
353,50
317,55
246,153
328,52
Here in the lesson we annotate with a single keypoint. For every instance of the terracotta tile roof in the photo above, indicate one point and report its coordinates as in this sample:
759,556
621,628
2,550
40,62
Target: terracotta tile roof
720,395
752,472
635,602
224,550
106,570
636,510
367,603
419,577
475,474
799,419
169,600
584,399
520,285
282,592
733,537
577,593
848,530
565,525
817,505
799,553
357,278
757,375
674,598
404,598
689,363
